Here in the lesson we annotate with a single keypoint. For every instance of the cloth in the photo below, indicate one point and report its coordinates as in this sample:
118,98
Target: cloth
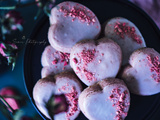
151,7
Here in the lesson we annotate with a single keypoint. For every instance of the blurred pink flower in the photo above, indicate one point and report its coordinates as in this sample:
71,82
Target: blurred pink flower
57,104
12,21
3,46
10,52
9,91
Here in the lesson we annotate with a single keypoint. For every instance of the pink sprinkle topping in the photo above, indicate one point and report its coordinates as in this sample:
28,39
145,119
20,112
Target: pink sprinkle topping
119,100
79,12
60,57
72,101
75,60
122,29
64,57
87,56
89,75
155,67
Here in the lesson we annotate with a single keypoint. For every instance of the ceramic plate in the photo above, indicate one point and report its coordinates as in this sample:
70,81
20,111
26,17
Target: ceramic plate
142,107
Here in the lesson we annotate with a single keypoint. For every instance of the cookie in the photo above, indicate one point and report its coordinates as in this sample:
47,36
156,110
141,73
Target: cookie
65,83
71,22
126,34
108,99
54,62
142,75
93,61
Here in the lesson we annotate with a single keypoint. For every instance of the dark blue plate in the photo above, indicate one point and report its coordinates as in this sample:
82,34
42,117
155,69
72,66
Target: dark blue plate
142,107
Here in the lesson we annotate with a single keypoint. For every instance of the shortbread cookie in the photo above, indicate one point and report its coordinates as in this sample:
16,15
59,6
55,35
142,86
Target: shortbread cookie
108,99
142,76
126,34
64,83
54,62
71,22
93,61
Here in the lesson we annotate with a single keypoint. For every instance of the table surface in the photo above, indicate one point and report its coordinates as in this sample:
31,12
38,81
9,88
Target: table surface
15,78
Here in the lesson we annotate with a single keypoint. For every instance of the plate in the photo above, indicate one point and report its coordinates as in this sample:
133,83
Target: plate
142,107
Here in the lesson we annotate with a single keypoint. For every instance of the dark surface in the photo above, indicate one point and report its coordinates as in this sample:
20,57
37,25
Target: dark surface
142,107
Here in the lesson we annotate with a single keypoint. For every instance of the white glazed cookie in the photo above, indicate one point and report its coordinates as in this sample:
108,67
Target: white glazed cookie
93,61
64,83
71,22
108,99
54,62
142,76
126,34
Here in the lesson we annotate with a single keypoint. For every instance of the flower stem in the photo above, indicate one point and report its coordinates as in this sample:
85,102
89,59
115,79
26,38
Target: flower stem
8,8
18,6
14,97
4,101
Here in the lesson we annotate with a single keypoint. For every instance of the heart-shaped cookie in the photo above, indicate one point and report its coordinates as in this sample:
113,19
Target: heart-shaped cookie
54,62
71,22
142,76
65,83
126,34
108,99
93,61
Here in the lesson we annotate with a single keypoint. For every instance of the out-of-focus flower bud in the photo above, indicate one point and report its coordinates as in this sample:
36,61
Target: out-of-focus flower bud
10,52
7,94
57,104
42,3
12,21
48,6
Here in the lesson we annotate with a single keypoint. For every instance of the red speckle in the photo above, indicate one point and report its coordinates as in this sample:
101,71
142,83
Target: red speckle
102,54
100,61
78,69
65,63
79,12
63,88
54,61
97,26
122,29
154,64
111,96
64,57
75,60
89,75
48,50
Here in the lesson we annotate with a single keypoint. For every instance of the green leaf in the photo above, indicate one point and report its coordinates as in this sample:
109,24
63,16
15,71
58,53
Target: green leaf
4,110
18,114
47,8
